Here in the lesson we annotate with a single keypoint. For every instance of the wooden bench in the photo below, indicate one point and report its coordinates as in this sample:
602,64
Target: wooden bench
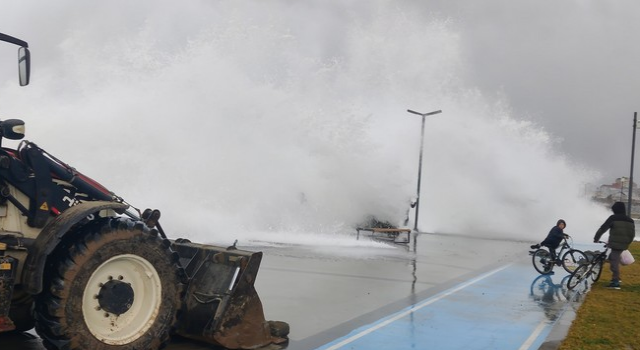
390,232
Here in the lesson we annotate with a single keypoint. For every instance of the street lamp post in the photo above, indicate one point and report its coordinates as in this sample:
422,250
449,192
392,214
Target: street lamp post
633,148
415,224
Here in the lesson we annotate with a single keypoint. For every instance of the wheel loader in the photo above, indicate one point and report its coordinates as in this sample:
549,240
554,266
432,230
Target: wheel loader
90,271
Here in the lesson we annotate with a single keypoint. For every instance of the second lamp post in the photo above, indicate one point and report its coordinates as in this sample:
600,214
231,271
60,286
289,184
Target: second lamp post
415,224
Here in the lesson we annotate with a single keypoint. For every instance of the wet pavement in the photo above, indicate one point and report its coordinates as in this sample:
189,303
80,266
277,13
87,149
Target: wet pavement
439,291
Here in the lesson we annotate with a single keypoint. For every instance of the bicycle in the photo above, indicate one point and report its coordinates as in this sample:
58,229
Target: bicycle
591,270
544,290
570,258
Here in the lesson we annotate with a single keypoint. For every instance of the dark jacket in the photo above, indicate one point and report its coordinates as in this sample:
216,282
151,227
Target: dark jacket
622,229
554,238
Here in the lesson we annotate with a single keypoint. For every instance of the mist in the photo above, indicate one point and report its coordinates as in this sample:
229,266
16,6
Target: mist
286,121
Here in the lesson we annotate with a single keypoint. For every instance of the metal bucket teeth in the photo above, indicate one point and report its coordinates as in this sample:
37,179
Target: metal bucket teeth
221,305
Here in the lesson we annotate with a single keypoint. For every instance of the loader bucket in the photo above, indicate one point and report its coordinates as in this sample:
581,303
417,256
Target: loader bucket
221,305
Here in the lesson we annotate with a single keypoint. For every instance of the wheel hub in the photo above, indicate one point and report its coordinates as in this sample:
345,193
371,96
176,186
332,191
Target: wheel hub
113,305
116,297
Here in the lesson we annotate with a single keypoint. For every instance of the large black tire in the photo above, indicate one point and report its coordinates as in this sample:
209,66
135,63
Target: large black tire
115,286
21,312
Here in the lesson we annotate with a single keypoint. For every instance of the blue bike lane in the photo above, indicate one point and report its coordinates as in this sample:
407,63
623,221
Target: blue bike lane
509,307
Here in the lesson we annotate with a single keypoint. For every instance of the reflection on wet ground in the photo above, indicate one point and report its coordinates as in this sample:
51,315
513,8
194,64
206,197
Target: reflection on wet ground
550,292
499,309
549,295
325,292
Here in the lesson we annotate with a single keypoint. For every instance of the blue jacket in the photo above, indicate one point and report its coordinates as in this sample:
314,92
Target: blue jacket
554,238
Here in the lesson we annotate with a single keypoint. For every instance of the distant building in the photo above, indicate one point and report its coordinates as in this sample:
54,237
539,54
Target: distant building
618,191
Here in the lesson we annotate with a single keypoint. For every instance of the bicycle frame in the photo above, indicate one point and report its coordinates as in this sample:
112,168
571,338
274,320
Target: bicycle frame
591,270
569,258
565,246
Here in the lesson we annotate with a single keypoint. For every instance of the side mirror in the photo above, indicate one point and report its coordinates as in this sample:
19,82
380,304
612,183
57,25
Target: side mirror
24,66
13,129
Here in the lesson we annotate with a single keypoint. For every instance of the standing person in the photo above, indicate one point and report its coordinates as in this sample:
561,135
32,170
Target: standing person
555,236
622,231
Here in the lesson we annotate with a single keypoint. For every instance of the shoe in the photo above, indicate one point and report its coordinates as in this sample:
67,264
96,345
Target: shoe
614,285
535,246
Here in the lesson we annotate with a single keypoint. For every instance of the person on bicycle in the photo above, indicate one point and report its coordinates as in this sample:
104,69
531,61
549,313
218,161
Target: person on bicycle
622,231
553,239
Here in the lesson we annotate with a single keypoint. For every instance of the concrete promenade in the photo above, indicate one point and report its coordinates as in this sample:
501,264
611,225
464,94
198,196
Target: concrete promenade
439,292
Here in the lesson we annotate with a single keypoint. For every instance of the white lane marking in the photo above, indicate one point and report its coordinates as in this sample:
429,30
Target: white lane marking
534,335
415,308
543,324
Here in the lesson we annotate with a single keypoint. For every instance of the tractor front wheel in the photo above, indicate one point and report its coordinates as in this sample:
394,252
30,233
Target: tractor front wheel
115,285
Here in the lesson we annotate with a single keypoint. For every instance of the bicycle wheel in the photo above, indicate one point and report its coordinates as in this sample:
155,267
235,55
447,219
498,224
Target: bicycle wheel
597,270
572,259
540,287
542,261
578,276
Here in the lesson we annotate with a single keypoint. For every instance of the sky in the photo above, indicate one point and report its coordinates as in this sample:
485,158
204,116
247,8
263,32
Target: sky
288,119
571,66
